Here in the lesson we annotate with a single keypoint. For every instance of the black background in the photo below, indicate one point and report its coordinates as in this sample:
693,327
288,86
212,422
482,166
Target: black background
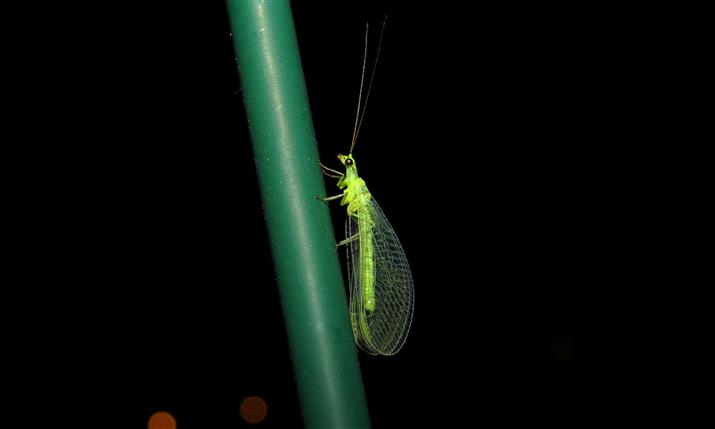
497,140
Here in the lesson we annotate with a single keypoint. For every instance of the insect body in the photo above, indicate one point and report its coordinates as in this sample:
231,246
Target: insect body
358,199
381,287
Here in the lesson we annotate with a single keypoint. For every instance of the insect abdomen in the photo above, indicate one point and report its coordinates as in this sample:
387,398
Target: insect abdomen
367,267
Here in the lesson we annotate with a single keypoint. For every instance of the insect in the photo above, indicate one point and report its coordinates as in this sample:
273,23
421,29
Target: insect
381,287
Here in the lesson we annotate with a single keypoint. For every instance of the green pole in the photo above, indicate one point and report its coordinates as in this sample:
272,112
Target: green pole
299,226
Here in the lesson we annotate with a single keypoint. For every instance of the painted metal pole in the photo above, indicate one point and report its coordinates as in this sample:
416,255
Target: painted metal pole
299,226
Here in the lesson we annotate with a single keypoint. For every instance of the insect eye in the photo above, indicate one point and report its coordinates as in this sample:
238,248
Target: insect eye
348,161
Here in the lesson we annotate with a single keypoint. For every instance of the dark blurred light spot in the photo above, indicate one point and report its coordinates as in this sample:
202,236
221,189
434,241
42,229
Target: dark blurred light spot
562,350
254,409
162,420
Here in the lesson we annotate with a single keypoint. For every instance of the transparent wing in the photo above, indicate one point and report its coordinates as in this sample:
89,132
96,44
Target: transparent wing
380,328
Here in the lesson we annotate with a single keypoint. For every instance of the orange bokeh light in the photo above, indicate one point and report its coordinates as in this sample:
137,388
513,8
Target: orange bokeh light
162,420
254,409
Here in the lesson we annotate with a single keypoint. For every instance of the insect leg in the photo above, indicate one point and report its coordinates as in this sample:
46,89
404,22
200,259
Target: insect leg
330,172
348,240
333,198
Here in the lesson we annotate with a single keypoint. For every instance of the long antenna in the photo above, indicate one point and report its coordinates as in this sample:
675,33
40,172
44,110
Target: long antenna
362,81
360,116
